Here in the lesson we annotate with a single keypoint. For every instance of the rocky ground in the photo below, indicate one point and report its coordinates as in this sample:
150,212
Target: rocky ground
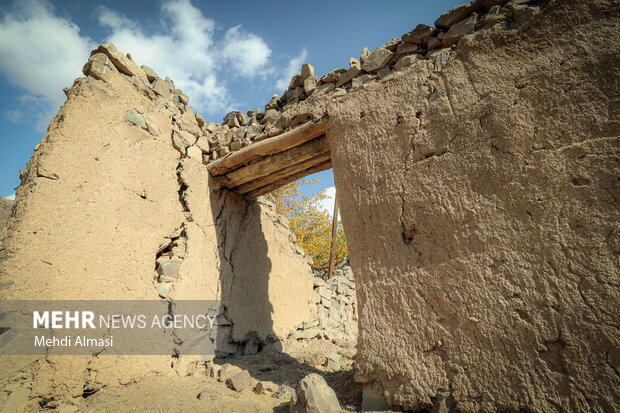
318,357
273,374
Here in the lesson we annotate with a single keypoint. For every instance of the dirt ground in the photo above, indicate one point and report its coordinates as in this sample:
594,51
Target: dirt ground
296,360
179,394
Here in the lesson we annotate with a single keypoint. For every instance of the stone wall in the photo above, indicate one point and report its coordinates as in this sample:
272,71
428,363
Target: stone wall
116,204
479,198
334,309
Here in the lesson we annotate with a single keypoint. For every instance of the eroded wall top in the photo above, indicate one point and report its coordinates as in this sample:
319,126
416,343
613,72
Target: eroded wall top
452,30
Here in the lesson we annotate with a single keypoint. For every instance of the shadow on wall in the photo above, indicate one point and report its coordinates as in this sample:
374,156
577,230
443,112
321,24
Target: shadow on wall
244,274
250,342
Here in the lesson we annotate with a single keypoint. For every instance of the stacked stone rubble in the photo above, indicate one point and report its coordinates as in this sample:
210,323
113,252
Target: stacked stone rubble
207,141
452,30
334,309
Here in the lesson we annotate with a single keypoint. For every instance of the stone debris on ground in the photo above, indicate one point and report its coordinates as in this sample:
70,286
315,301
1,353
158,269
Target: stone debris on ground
266,387
315,396
286,392
227,371
240,381
209,394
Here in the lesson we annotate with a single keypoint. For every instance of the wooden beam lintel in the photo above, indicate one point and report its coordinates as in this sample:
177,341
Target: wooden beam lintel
271,164
291,178
283,173
258,150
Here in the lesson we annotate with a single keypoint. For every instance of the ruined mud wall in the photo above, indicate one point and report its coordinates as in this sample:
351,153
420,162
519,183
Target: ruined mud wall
5,210
480,205
116,204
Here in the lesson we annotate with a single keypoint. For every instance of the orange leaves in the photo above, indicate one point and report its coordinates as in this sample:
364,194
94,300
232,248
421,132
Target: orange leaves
310,223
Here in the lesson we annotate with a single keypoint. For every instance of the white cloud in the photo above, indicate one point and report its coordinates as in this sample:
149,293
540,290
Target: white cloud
247,52
28,107
40,53
294,67
187,52
111,18
11,197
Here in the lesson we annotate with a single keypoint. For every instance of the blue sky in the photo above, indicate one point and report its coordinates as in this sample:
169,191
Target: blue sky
224,55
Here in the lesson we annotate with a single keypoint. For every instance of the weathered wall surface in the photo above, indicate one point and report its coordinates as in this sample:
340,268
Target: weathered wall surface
116,204
487,264
5,210
478,188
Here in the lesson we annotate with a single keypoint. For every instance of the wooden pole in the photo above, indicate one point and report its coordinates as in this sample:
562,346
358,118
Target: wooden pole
332,253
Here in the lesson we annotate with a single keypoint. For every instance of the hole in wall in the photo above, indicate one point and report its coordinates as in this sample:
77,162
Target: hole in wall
88,391
408,234
580,181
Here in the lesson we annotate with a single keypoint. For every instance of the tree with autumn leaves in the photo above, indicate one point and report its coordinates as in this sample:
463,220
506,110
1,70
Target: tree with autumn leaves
310,223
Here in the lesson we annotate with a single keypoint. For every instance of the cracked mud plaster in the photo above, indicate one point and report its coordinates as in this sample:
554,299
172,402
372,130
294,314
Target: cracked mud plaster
124,198
488,248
